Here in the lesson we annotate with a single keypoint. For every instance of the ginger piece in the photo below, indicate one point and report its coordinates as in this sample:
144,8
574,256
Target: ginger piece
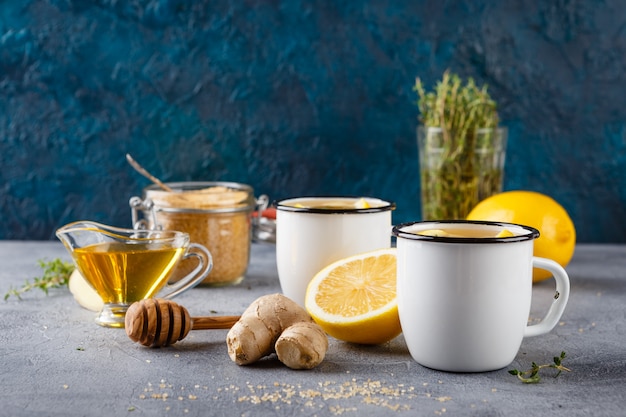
302,346
255,334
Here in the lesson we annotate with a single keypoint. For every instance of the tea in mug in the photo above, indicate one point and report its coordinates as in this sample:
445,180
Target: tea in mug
333,204
467,233
122,273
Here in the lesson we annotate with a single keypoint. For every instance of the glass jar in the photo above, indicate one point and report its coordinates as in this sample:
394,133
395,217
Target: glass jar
459,171
216,214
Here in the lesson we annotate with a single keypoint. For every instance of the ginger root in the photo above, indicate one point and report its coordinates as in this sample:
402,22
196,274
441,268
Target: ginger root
302,345
275,323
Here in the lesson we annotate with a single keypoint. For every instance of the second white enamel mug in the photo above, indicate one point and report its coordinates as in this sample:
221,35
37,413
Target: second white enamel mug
313,232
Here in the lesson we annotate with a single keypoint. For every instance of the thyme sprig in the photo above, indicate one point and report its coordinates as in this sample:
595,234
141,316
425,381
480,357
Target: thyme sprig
458,146
531,376
56,274
455,107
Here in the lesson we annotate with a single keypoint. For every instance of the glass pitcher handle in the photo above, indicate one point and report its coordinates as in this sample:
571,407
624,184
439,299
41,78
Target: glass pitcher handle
200,272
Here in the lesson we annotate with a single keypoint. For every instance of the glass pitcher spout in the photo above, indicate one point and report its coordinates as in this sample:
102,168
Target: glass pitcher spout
84,233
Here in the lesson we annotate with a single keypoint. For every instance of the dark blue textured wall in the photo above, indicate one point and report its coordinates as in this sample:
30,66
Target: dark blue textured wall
297,97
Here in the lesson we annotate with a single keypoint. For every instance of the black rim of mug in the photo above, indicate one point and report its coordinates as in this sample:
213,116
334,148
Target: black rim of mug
281,205
399,232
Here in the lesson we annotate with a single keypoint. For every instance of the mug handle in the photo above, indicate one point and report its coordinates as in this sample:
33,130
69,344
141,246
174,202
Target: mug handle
205,264
560,297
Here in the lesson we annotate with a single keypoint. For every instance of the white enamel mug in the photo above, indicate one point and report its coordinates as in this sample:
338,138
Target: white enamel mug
313,232
464,302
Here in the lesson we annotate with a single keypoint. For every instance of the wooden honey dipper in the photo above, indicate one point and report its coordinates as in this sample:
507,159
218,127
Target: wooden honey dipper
156,322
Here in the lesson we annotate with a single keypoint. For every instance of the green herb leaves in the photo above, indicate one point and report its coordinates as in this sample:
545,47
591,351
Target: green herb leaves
456,108
56,274
461,148
532,375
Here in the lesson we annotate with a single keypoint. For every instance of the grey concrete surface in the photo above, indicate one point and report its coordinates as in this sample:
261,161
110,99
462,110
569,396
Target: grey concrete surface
55,361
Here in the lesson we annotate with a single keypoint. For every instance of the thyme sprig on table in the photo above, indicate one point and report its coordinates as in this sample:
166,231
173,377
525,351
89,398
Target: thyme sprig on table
56,274
531,376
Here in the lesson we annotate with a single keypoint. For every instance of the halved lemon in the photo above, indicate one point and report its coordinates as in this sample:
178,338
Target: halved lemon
354,299
84,293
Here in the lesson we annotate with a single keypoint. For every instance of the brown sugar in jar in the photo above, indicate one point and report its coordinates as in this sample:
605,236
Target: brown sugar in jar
214,214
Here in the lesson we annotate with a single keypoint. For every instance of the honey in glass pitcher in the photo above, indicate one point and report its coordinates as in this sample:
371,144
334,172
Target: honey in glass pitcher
127,265
122,273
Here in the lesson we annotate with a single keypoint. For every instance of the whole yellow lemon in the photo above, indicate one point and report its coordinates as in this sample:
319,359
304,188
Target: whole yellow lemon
557,233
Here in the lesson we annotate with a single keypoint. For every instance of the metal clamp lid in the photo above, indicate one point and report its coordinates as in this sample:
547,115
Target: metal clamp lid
136,205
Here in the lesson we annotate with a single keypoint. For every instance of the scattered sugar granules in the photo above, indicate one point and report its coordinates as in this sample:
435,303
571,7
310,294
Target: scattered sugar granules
323,396
328,394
